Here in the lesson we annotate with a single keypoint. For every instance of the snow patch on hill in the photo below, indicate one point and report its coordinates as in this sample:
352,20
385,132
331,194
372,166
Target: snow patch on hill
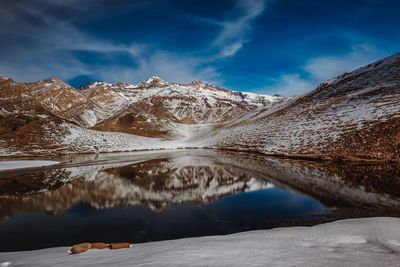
77,138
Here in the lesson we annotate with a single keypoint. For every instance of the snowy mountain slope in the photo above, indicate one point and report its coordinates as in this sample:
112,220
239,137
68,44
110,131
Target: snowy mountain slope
339,119
47,135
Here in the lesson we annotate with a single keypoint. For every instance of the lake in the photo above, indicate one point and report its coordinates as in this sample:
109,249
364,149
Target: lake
159,195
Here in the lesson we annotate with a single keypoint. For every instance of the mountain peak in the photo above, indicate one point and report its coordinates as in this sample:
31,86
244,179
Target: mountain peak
198,82
5,79
154,81
53,80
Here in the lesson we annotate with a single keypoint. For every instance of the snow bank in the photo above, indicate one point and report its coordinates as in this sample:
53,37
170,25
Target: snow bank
21,164
356,242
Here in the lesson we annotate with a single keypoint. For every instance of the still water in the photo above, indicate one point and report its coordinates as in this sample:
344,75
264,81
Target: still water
141,197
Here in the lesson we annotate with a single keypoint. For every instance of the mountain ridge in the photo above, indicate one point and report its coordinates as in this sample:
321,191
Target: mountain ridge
98,101
335,121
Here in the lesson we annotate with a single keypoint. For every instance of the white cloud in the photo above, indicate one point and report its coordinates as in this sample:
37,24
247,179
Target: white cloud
235,29
292,84
230,50
321,68
234,32
166,65
325,67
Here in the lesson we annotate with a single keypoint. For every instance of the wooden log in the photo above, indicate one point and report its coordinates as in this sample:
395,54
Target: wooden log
99,245
119,245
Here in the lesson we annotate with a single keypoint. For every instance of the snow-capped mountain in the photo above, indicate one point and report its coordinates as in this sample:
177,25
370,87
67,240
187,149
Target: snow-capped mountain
151,108
353,116
123,107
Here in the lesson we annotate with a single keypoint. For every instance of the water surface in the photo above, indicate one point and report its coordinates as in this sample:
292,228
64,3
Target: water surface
166,195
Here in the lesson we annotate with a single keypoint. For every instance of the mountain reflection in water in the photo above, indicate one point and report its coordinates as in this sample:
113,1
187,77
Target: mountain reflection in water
180,194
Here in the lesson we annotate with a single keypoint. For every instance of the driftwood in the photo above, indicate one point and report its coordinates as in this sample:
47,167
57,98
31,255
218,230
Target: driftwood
80,248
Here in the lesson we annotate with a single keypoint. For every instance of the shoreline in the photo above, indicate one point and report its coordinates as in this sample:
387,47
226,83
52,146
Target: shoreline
331,216
307,157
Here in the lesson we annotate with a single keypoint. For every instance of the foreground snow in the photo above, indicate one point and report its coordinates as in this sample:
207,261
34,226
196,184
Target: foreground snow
356,242
21,164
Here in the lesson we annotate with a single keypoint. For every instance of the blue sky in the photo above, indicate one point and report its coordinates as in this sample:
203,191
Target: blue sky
263,46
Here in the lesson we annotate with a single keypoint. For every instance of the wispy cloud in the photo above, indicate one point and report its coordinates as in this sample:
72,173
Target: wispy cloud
321,68
46,44
290,84
231,38
42,44
234,30
167,65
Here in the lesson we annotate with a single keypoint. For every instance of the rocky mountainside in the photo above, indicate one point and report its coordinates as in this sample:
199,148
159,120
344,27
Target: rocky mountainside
353,116
54,97
147,109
